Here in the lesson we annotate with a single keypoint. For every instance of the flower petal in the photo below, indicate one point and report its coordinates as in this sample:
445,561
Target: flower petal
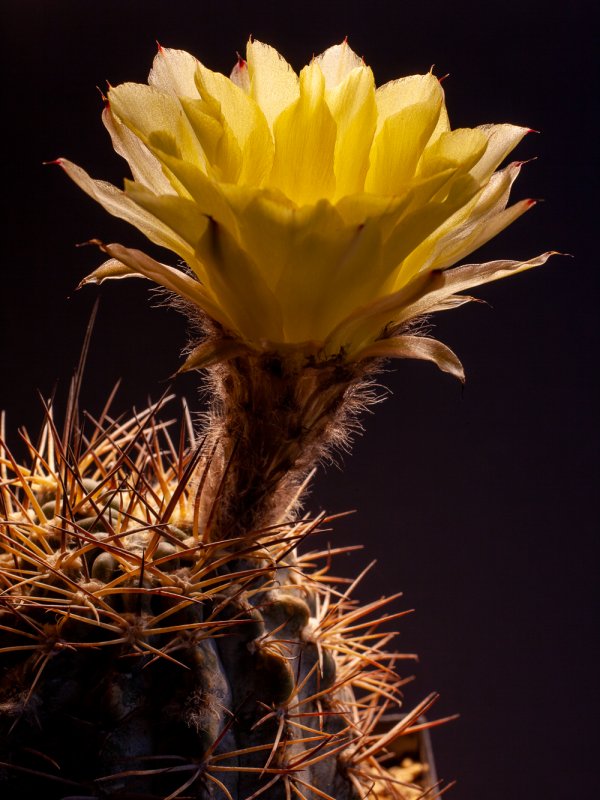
111,270
181,215
352,105
120,205
145,167
420,223
236,282
398,95
459,149
337,62
273,83
158,119
398,146
447,282
172,279
218,110
424,293
415,347
305,135
174,72
501,140
209,195
326,273
218,141
471,226
245,119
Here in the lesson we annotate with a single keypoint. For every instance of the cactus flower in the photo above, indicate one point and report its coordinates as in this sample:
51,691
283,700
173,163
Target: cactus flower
317,213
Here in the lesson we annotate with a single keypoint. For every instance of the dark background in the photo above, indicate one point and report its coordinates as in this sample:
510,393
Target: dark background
480,504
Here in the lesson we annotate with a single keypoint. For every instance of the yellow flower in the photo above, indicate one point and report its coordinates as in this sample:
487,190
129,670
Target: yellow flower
316,213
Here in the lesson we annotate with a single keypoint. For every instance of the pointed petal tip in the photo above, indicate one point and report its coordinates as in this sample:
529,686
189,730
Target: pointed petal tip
89,242
551,253
56,162
523,162
89,280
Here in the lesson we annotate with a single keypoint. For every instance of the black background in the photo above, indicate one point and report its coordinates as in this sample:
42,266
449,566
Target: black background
480,504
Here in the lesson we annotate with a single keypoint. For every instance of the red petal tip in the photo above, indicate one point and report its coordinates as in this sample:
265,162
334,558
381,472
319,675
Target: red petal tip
531,202
241,62
161,49
57,162
532,130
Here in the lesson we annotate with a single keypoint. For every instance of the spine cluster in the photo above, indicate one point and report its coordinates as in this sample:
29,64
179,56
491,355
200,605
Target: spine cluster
143,656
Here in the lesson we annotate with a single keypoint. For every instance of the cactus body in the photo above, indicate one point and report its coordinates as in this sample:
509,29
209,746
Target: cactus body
140,660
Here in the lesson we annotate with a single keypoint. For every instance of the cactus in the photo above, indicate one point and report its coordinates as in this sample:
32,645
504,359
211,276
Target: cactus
142,660
170,625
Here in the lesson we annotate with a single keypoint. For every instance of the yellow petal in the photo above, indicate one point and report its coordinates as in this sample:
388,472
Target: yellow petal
417,298
158,119
172,279
471,226
459,149
181,215
355,276
446,283
324,271
358,208
246,122
174,72
209,195
352,105
501,140
442,125
145,167
421,223
398,95
236,282
398,146
218,110
120,205
305,136
273,83
337,62
218,142
318,266
389,210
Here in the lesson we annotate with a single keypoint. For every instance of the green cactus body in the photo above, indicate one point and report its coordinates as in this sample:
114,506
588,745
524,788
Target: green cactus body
141,661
